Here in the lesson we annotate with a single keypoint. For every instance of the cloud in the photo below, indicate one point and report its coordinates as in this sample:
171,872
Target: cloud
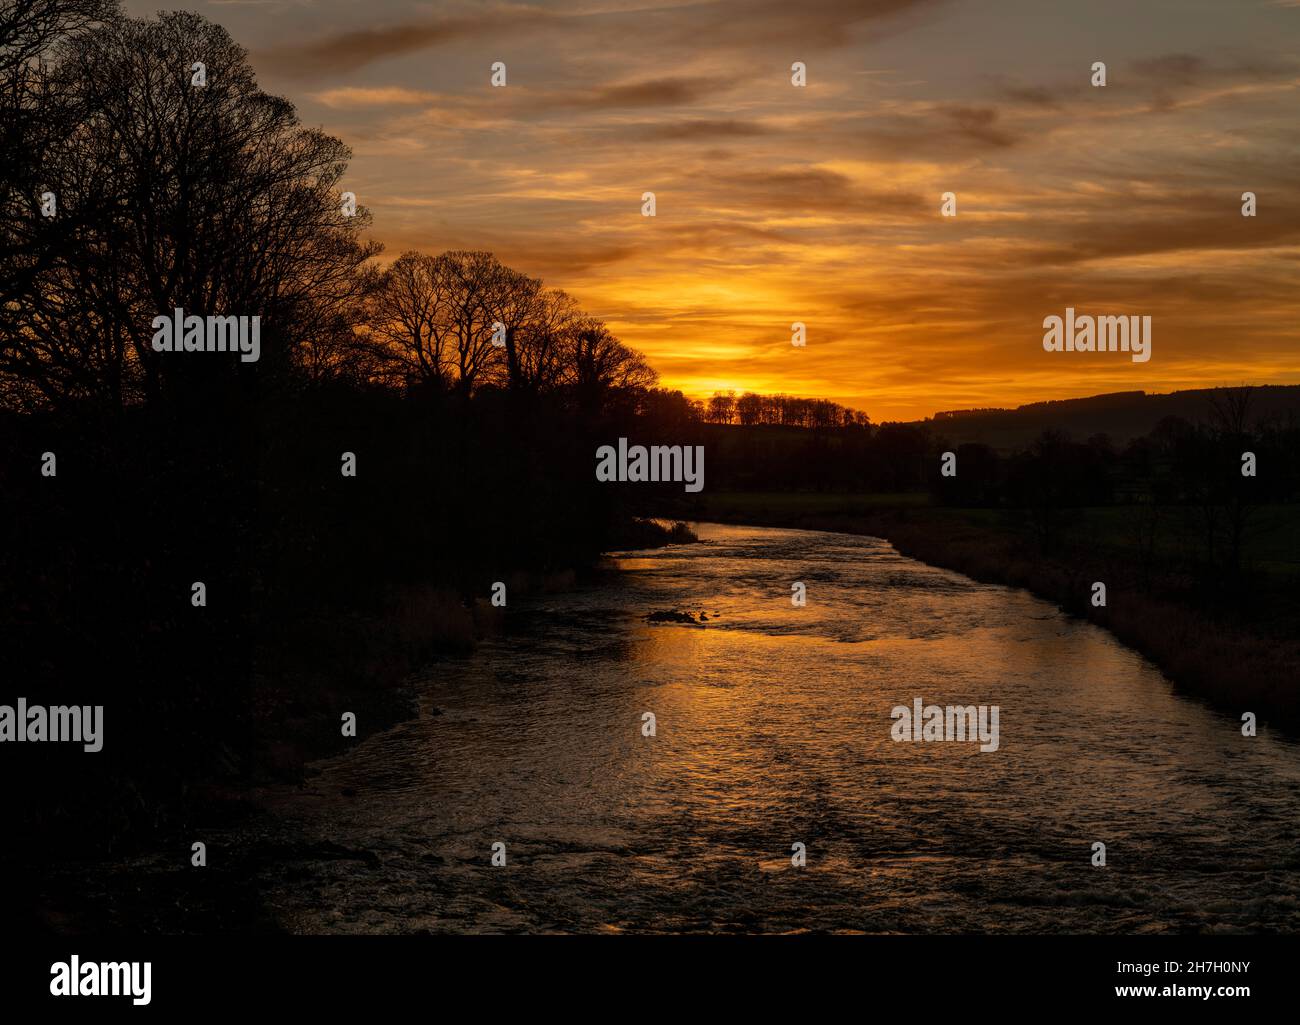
355,48
1171,69
658,92
1179,231
670,91
1028,95
729,26
930,130
699,128
382,96
808,190
820,24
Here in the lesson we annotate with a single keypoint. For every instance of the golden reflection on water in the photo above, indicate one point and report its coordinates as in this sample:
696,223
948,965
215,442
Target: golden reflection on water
773,726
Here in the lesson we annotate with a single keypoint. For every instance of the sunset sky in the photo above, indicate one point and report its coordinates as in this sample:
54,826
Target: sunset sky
822,204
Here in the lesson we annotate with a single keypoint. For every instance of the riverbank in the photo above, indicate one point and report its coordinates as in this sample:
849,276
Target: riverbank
1240,660
311,671
308,669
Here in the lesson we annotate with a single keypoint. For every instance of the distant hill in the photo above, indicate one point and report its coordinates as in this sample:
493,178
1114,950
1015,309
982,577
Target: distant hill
1122,415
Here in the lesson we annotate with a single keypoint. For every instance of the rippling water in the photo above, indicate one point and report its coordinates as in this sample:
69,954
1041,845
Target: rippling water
773,727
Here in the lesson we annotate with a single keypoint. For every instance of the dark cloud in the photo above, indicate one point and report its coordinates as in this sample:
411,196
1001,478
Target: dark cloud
813,189
1114,237
348,51
557,264
657,92
700,128
728,26
1166,81
1176,78
933,130
812,23
1028,95
978,124
1171,69
355,48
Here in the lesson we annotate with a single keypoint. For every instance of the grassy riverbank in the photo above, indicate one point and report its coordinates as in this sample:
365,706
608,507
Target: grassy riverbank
1233,643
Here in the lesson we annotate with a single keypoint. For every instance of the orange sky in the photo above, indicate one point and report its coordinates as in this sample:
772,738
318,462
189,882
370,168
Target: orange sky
821,204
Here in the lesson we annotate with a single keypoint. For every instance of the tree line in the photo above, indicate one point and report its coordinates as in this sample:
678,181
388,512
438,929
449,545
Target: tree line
144,171
751,409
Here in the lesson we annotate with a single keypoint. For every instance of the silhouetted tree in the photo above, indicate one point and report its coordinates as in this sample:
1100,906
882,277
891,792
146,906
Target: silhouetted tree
722,407
411,310
596,363
540,324
211,198
35,115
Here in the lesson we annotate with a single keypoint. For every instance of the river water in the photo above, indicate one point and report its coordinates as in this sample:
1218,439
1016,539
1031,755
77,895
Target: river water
773,728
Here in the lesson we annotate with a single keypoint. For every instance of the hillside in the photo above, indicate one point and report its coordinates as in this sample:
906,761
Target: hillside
1122,415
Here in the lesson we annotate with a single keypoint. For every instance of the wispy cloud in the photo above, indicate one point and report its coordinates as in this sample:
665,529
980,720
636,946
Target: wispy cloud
821,204
356,98
355,48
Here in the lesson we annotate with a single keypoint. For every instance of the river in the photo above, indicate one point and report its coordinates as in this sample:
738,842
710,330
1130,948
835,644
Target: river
773,727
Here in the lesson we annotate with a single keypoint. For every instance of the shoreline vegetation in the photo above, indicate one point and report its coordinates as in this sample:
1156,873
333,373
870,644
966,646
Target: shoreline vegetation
1234,664
360,661
307,672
